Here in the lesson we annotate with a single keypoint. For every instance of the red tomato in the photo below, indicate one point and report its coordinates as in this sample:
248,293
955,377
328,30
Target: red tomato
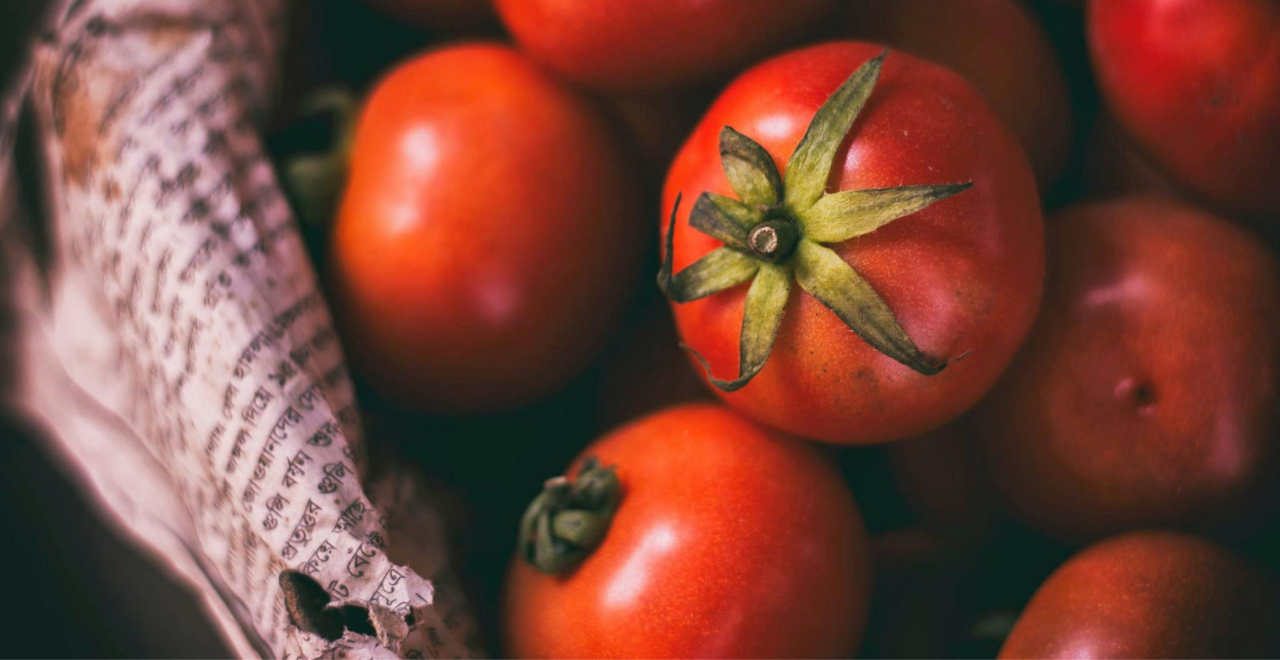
999,47
487,237
962,277
452,15
1148,394
1197,85
728,541
1149,595
646,45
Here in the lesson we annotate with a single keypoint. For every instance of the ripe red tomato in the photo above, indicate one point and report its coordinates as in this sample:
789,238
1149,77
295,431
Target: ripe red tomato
1197,85
451,15
728,541
643,45
961,277
1149,595
487,237
999,47
1149,392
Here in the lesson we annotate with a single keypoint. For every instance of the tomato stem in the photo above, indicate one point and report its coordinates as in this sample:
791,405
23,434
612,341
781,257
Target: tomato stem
567,520
774,240
776,230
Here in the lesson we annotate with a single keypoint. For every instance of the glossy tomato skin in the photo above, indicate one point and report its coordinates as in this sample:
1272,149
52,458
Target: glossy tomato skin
1196,83
487,238
999,47
1149,391
643,45
962,276
1149,595
729,542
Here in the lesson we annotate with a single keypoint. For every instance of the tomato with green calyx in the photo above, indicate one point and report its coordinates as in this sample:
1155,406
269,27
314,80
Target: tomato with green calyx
1196,84
907,215
1148,394
487,239
1149,595
691,533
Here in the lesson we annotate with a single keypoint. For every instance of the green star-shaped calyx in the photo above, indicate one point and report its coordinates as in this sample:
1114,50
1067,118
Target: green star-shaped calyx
774,234
568,519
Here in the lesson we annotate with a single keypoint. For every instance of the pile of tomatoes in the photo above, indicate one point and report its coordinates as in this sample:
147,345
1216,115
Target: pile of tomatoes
881,327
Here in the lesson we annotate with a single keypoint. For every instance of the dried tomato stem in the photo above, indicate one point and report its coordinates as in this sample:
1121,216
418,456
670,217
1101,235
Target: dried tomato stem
567,520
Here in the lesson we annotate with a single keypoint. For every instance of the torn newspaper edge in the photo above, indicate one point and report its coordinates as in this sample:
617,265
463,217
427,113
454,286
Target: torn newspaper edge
179,351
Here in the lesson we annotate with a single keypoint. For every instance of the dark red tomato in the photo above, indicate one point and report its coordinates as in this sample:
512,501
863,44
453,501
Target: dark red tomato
728,541
962,277
1197,85
448,15
999,47
1149,595
646,45
1149,392
487,237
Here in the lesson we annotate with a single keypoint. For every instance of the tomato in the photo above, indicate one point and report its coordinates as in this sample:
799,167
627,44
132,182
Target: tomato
727,541
487,237
1148,394
643,45
999,47
1196,83
1149,595
960,278
450,15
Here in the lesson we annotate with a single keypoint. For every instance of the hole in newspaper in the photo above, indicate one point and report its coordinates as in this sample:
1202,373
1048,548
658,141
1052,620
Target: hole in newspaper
308,606
356,619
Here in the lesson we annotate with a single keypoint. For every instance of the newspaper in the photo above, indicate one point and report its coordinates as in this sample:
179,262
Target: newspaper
178,351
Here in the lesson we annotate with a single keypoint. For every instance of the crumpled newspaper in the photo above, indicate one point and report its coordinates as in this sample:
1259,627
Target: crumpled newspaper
177,349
